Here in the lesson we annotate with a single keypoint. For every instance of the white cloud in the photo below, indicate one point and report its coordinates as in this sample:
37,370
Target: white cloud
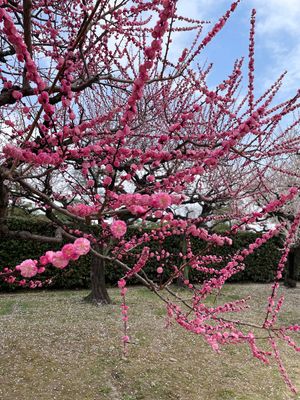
277,36
278,17
278,32
202,9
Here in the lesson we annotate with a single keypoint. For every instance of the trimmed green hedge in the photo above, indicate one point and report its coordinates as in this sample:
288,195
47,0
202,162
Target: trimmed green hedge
260,266
12,252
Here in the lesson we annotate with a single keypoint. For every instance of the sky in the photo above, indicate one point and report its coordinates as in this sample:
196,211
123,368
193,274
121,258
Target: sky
277,40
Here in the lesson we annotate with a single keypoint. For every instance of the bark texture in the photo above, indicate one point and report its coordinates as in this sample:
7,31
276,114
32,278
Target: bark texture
3,206
292,268
99,294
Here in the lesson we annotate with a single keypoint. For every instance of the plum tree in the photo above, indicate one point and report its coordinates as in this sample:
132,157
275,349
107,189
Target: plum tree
103,130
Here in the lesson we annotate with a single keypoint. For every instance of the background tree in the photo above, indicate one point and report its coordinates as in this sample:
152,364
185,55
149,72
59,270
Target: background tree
282,175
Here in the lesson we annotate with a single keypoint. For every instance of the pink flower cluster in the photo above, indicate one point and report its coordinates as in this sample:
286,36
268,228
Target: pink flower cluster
251,62
220,332
161,200
235,265
82,210
140,203
282,370
71,251
124,310
42,158
270,207
216,28
150,54
204,235
280,269
59,259
183,118
23,55
140,264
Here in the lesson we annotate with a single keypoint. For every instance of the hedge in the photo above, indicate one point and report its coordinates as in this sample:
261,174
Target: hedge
260,266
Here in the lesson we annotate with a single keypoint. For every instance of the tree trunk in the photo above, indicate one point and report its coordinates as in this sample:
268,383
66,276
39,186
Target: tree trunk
3,206
186,270
99,294
291,272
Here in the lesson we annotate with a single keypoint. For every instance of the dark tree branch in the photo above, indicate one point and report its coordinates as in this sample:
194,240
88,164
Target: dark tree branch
25,235
6,53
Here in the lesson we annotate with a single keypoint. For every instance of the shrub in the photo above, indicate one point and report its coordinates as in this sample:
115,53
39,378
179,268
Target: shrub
260,266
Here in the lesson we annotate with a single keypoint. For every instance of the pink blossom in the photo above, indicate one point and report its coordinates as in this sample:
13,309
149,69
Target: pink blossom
137,210
158,214
121,283
125,339
59,260
107,181
150,178
82,246
44,260
69,251
49,256
90,183
11,279
82,210
27,268
118,228
161,200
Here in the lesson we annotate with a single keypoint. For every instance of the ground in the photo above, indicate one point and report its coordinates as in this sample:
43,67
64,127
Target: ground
55,346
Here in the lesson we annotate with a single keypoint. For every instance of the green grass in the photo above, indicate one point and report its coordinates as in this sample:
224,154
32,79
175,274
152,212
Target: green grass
6,307
55,346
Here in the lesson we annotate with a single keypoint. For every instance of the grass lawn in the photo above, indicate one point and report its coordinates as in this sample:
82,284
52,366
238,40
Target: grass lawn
55,346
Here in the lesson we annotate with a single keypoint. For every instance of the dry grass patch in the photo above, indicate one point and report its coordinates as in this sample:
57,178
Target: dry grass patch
55,346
